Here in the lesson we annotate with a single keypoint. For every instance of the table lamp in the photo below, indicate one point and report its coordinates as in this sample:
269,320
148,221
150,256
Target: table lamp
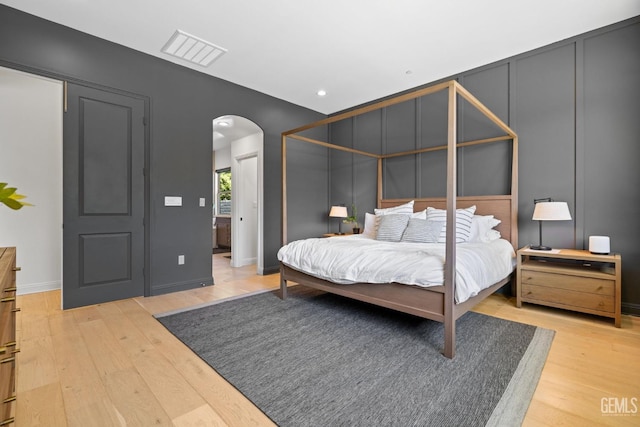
549,210
338,212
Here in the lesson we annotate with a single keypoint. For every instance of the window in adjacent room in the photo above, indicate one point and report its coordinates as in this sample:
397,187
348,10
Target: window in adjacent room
223,192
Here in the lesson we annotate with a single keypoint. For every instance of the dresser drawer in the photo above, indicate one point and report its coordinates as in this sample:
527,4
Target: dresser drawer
7,386
7,321
573,300
569,282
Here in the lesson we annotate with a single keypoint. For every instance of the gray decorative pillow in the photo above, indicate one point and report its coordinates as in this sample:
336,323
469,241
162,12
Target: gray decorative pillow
422,231
391,227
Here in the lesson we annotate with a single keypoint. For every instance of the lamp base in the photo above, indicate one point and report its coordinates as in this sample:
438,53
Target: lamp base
540,248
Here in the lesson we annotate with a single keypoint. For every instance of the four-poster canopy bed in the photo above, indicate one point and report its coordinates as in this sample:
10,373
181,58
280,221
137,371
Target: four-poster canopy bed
436,302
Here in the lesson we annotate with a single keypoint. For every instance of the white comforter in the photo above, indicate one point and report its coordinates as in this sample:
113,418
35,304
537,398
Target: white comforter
351,259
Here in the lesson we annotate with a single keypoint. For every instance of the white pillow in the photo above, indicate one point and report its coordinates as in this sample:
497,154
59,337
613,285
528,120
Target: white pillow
392,227
406,208
463,222
370,228
482,228
420,215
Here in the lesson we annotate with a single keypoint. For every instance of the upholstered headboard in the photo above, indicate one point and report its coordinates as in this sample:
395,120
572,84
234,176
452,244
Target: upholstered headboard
501,207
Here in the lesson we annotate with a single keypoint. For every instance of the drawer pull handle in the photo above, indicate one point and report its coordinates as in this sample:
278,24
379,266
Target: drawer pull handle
9,399
3,350
15,310
17,268
7,421
11,344
7,299
8,359
11,289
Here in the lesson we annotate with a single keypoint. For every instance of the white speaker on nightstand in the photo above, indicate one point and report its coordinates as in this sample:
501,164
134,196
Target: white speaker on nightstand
599,245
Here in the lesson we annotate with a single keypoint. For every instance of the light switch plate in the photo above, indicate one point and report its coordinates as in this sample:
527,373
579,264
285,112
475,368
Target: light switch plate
180,259
202,202
172,201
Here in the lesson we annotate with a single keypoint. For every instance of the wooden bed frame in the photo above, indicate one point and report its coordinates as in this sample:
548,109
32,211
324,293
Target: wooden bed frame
437,302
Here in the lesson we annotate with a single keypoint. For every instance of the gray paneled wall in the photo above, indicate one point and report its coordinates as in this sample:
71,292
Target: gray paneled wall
608,147
576,108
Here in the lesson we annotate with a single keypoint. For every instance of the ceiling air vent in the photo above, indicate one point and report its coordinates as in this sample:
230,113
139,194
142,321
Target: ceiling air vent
192,49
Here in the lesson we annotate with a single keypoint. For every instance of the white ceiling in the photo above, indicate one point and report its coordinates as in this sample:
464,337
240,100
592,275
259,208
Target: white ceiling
356,50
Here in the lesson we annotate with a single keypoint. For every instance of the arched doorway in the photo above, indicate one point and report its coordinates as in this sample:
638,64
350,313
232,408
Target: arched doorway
238,148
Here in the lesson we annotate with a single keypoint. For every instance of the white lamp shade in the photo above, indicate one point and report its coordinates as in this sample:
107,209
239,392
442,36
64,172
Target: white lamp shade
551,211
338,212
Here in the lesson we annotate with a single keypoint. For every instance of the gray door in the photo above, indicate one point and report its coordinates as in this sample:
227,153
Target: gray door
103,192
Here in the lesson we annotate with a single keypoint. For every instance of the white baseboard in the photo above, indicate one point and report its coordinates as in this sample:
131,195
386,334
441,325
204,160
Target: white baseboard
32,288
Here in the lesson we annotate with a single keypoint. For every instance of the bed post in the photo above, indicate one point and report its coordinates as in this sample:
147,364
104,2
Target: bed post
379,189
283,214
450,250
283,284
514,193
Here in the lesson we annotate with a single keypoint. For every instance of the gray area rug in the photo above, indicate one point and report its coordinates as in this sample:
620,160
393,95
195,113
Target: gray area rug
318,359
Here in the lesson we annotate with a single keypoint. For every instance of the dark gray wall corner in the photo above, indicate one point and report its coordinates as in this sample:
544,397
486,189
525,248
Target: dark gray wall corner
183,104
575,106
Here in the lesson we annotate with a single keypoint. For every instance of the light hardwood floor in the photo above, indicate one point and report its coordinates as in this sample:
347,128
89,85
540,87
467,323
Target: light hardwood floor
113,364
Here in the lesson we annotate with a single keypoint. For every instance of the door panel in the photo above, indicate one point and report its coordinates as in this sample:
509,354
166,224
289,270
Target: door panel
103,191
247,181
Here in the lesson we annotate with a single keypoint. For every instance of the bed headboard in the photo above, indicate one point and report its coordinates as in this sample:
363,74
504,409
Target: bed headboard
501,207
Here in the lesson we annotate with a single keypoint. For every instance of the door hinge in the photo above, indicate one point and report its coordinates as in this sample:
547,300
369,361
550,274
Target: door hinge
144,120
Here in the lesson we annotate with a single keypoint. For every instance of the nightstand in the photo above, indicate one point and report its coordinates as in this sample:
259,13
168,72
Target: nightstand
571,279
336,234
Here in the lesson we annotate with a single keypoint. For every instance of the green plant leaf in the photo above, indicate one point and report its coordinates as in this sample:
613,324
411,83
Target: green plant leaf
13,204
10,198
7,192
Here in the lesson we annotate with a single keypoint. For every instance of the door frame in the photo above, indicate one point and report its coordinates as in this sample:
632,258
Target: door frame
147,166
147,146
235,221
235,201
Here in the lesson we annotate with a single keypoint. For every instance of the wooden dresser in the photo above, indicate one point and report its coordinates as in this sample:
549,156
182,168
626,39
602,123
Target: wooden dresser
8,348
571,279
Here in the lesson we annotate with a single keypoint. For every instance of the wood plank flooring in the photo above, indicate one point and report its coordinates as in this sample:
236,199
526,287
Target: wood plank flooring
114,365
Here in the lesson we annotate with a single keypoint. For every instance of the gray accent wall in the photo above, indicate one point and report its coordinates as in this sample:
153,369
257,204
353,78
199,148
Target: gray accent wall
181,106
576,108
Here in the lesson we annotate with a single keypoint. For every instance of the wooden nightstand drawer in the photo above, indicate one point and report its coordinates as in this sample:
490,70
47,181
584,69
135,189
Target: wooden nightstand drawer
572,300
569,282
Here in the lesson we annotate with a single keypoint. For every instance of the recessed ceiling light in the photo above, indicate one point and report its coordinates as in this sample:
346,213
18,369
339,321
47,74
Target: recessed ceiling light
321,92
192,49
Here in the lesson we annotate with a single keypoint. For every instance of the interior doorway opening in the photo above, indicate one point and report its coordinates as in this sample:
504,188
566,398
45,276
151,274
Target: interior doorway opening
238,190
